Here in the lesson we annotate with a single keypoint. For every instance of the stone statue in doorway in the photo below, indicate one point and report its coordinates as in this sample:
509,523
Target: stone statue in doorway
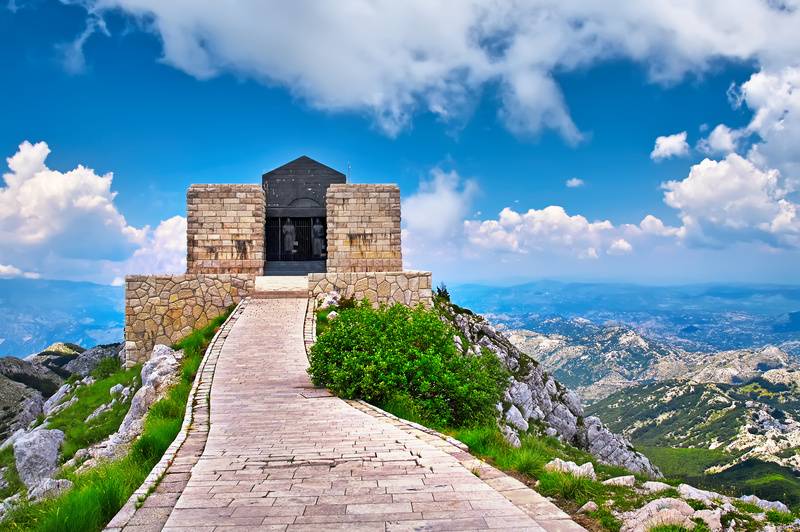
288,237
317,238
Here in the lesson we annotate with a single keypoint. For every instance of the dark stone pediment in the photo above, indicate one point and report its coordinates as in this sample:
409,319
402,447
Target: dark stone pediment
302,179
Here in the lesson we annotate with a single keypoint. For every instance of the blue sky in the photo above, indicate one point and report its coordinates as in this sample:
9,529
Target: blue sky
675,123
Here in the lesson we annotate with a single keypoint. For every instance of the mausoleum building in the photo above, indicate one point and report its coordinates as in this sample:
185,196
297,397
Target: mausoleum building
303,220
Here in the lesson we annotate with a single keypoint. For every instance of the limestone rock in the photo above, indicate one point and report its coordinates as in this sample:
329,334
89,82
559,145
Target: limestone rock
35,376
18,403
160,368
766,505
535,401
36,455
627,480
157,373
49,488
713,518
655,487
116,390
590,506
585,470
85,363
514,417
56,398
668,511
690,492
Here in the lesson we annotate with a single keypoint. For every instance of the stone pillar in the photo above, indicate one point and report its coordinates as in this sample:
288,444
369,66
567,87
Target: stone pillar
225,232
363,228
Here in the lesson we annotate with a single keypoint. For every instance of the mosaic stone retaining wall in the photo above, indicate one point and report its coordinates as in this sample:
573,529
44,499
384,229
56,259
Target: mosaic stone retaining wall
162,309
225,229
363,228
407,287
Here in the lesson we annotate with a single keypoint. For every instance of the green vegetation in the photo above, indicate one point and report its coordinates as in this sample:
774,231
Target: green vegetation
107,367
80,433
11,476
401,354
766,480
681,462
99,494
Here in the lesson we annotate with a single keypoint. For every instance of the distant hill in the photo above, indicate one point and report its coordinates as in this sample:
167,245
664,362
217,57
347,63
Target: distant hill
36,313
703,317
758,419
597,361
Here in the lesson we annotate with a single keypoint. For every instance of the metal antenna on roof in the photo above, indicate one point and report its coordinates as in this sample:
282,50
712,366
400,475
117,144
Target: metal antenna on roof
348,172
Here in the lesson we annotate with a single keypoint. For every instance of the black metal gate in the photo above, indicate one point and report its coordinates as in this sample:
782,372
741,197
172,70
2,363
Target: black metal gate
293,239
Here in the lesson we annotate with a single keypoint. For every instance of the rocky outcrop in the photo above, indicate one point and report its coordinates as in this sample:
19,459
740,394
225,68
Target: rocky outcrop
35,376
534,402
84,363
19,405
36,455
56,357
158,374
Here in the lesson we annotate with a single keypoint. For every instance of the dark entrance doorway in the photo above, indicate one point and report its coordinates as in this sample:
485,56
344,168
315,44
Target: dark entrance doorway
296,239
296,227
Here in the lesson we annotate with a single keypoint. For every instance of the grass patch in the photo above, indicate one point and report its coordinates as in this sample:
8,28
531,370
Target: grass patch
79,434
779,518
681,462
569,487
11,476
100,493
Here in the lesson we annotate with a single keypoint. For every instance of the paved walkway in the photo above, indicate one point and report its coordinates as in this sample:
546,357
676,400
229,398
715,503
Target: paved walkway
282,455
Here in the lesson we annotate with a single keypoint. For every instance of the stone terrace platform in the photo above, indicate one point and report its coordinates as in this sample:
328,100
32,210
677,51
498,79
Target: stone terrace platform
283,455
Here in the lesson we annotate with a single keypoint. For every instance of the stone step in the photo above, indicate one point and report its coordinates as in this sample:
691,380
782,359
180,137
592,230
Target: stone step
280,294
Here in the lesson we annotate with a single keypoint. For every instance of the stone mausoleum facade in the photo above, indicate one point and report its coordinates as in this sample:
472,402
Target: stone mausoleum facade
304,219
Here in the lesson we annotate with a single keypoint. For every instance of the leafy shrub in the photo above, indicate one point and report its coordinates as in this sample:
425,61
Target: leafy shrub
779,518
106,368
377,355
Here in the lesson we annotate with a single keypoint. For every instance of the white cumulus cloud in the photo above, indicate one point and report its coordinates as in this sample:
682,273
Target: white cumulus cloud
732,200
575,182
66,225
394,59
670,146
434,215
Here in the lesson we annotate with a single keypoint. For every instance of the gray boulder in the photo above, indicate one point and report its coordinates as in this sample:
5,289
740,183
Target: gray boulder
160,368
19,405
85,363
49,488
35,376
36,455
56,398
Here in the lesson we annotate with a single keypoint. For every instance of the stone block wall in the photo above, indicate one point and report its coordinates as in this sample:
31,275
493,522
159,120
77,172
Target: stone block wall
363,228
225,229
162,309
406,287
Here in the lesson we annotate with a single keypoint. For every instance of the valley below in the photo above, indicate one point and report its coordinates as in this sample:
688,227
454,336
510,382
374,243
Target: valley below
704,380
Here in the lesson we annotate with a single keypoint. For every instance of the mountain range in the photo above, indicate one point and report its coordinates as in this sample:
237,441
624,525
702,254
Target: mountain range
35,313
693,318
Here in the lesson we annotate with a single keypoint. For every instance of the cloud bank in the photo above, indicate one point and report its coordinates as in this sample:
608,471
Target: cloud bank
391,60
66,226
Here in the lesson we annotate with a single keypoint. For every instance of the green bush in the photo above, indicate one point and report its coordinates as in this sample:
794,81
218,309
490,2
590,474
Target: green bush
779,518
106,368
377,355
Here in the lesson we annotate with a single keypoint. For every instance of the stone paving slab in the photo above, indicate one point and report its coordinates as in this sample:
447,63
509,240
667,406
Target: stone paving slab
283,455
